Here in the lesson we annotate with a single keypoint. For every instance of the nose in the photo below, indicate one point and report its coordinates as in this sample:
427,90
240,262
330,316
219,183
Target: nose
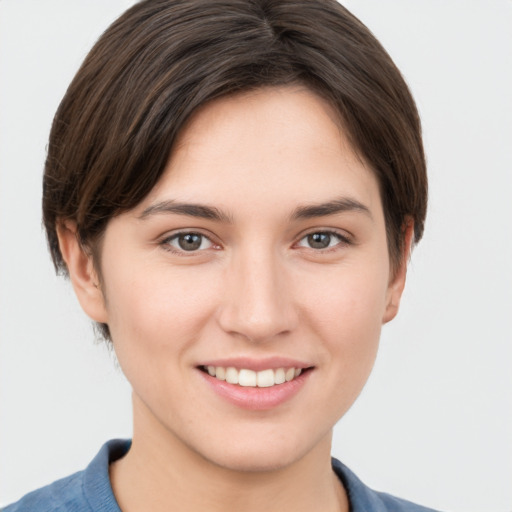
258,298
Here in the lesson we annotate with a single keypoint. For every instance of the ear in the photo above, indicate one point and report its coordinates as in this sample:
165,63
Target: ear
81,272
397,283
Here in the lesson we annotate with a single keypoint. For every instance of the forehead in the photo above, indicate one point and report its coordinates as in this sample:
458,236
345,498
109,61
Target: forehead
274,145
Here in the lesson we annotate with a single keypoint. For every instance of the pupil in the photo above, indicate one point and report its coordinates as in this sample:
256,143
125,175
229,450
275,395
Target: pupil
189,242
319,240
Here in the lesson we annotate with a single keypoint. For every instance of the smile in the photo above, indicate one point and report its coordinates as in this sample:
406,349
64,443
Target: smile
250,378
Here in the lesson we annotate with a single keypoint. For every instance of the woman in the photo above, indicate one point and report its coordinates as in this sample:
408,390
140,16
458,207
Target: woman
233,188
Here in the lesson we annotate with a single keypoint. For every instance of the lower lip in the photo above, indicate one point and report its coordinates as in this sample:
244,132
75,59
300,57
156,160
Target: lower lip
254,398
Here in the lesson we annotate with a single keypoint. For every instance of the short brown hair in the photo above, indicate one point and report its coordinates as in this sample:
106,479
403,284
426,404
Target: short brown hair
114,130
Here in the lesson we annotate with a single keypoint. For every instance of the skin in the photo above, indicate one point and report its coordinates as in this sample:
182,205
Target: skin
255,288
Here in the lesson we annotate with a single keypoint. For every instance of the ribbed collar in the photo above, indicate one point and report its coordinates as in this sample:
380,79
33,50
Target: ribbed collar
96,482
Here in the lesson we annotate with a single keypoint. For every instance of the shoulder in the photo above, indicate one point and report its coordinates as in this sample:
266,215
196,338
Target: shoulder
84,491
364,499
64,494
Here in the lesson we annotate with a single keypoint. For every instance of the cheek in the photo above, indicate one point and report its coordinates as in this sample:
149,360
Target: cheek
347,313
351,299
156,309
155,318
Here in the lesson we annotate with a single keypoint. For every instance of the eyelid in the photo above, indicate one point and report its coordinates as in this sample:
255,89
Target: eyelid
164,241
344,237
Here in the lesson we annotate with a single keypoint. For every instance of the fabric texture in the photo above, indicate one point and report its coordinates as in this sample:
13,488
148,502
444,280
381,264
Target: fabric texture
90,490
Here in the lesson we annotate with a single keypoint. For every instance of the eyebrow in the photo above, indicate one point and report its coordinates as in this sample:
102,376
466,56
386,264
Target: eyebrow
202,211
343,204
191,209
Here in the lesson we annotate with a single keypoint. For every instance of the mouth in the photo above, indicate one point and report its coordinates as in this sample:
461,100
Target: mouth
256,385
244,377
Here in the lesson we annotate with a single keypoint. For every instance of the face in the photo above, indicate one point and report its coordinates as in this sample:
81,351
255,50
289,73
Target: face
260,254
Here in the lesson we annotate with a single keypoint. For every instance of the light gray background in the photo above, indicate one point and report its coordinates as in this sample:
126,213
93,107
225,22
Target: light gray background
434,423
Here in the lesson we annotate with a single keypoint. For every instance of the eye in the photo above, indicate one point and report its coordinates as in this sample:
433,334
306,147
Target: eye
322,240
188,242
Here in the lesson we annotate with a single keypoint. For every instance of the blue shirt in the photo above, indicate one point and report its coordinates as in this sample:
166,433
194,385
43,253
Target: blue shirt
90,490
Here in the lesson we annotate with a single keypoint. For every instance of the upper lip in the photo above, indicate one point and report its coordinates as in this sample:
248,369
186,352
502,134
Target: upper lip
251,363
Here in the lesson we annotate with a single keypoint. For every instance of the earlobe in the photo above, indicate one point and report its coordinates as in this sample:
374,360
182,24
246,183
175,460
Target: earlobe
82,273
397,283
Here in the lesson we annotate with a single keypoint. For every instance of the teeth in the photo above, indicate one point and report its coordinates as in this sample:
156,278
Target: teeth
247,378
232,375
266,378
279,376
250,378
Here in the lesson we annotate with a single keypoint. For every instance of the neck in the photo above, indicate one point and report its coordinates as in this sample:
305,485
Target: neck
161,473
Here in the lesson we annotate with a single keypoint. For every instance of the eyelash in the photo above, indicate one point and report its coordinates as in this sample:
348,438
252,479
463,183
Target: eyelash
166,243
343,241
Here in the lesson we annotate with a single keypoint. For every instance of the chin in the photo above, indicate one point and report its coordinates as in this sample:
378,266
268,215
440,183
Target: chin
255,461
262,454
